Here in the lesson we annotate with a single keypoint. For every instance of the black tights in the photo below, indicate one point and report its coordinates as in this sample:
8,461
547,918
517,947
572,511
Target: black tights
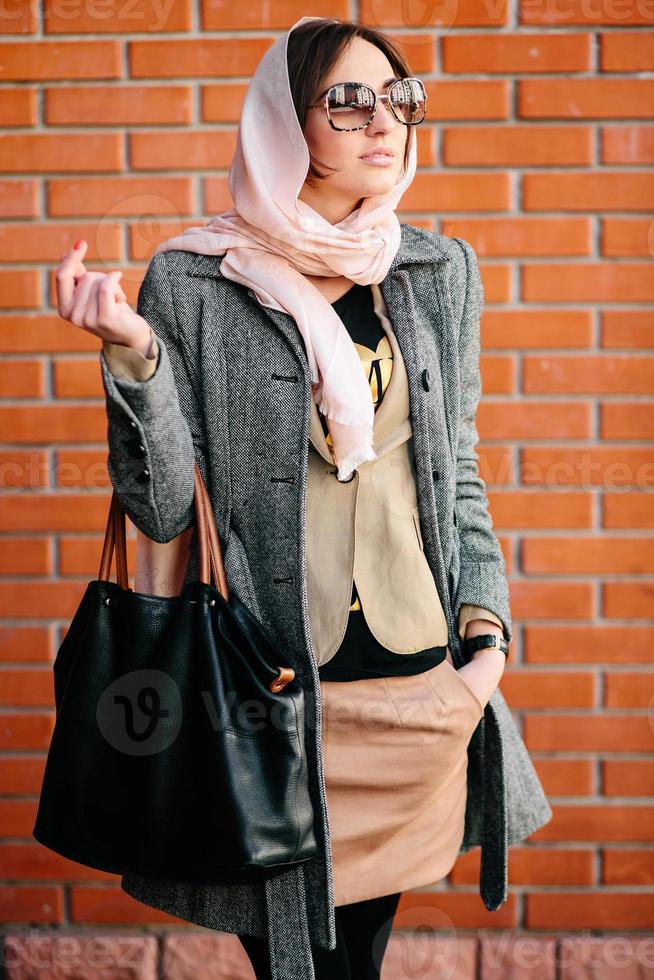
362,933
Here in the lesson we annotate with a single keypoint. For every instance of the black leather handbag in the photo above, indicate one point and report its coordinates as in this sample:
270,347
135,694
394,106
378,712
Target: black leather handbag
178,750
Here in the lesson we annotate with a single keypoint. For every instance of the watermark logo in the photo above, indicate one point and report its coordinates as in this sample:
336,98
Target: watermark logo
140,713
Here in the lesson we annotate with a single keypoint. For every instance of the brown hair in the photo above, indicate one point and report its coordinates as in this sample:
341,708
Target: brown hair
313,49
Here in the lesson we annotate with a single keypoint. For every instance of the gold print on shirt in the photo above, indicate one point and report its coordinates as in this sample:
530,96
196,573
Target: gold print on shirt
355,603
377,366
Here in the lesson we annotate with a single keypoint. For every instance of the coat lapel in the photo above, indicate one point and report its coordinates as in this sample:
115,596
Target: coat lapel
417,247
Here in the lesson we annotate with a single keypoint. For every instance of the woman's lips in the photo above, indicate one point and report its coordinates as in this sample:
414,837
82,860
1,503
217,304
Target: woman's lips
378,159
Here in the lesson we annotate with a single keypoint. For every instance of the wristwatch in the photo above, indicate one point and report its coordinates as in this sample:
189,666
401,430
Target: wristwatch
486,640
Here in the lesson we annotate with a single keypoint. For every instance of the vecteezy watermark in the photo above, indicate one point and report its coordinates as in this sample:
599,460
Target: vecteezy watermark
78,955
153,16
31,472
141,713
425,943
423,16
610,12
609,956
505,953
578,468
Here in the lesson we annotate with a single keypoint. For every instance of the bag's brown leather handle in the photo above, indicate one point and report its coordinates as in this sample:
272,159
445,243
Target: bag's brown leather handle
209,550
284,674
210,557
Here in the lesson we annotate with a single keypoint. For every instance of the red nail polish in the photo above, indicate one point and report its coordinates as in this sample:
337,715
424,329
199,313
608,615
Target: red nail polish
78,243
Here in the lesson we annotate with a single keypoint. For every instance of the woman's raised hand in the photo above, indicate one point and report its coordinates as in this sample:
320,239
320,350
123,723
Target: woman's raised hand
95,301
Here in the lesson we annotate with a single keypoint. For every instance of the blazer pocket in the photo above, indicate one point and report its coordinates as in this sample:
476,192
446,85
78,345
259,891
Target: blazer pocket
416,523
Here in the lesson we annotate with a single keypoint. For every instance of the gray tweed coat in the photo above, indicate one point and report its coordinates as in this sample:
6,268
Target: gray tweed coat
232,389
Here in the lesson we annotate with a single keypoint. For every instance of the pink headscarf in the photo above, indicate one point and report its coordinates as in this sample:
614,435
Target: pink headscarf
272,240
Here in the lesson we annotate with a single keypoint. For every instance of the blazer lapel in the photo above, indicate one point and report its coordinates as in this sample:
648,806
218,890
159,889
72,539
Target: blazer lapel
394,407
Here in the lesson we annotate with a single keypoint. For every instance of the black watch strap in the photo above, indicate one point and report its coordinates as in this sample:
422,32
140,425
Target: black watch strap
486,641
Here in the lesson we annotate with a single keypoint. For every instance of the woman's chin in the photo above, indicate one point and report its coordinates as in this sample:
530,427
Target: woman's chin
378,183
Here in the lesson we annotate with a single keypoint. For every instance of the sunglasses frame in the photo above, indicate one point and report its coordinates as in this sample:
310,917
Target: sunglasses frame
378,98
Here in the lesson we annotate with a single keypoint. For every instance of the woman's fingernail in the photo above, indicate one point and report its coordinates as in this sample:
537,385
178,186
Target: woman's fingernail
78,243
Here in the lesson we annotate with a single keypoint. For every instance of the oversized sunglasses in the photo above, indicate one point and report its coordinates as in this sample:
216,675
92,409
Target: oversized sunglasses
352,105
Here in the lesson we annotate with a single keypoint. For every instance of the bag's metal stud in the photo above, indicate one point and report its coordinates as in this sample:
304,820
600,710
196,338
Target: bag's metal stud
212,602
107,600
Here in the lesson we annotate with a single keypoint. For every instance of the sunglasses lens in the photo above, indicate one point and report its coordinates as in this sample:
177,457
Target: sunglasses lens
350,105
408,98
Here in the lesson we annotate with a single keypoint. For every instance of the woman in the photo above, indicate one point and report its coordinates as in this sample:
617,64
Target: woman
352,516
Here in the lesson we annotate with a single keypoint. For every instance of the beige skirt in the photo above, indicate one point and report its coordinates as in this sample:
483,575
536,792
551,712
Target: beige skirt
395,761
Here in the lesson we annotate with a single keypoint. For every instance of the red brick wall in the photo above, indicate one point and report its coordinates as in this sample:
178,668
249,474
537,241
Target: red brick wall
119,128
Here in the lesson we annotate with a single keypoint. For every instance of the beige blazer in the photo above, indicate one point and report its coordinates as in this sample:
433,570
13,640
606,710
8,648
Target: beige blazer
367,530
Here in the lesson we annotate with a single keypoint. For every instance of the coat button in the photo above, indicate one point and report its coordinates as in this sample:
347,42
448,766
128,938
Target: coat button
135,448
143,476
349,479
425,379
133,424
436,475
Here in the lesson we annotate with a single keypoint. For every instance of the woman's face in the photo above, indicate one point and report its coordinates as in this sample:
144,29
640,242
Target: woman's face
354,179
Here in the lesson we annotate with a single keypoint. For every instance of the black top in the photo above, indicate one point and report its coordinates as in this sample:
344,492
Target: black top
360,654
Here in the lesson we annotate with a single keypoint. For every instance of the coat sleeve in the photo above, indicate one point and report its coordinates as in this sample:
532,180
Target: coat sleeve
482,577
155,430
